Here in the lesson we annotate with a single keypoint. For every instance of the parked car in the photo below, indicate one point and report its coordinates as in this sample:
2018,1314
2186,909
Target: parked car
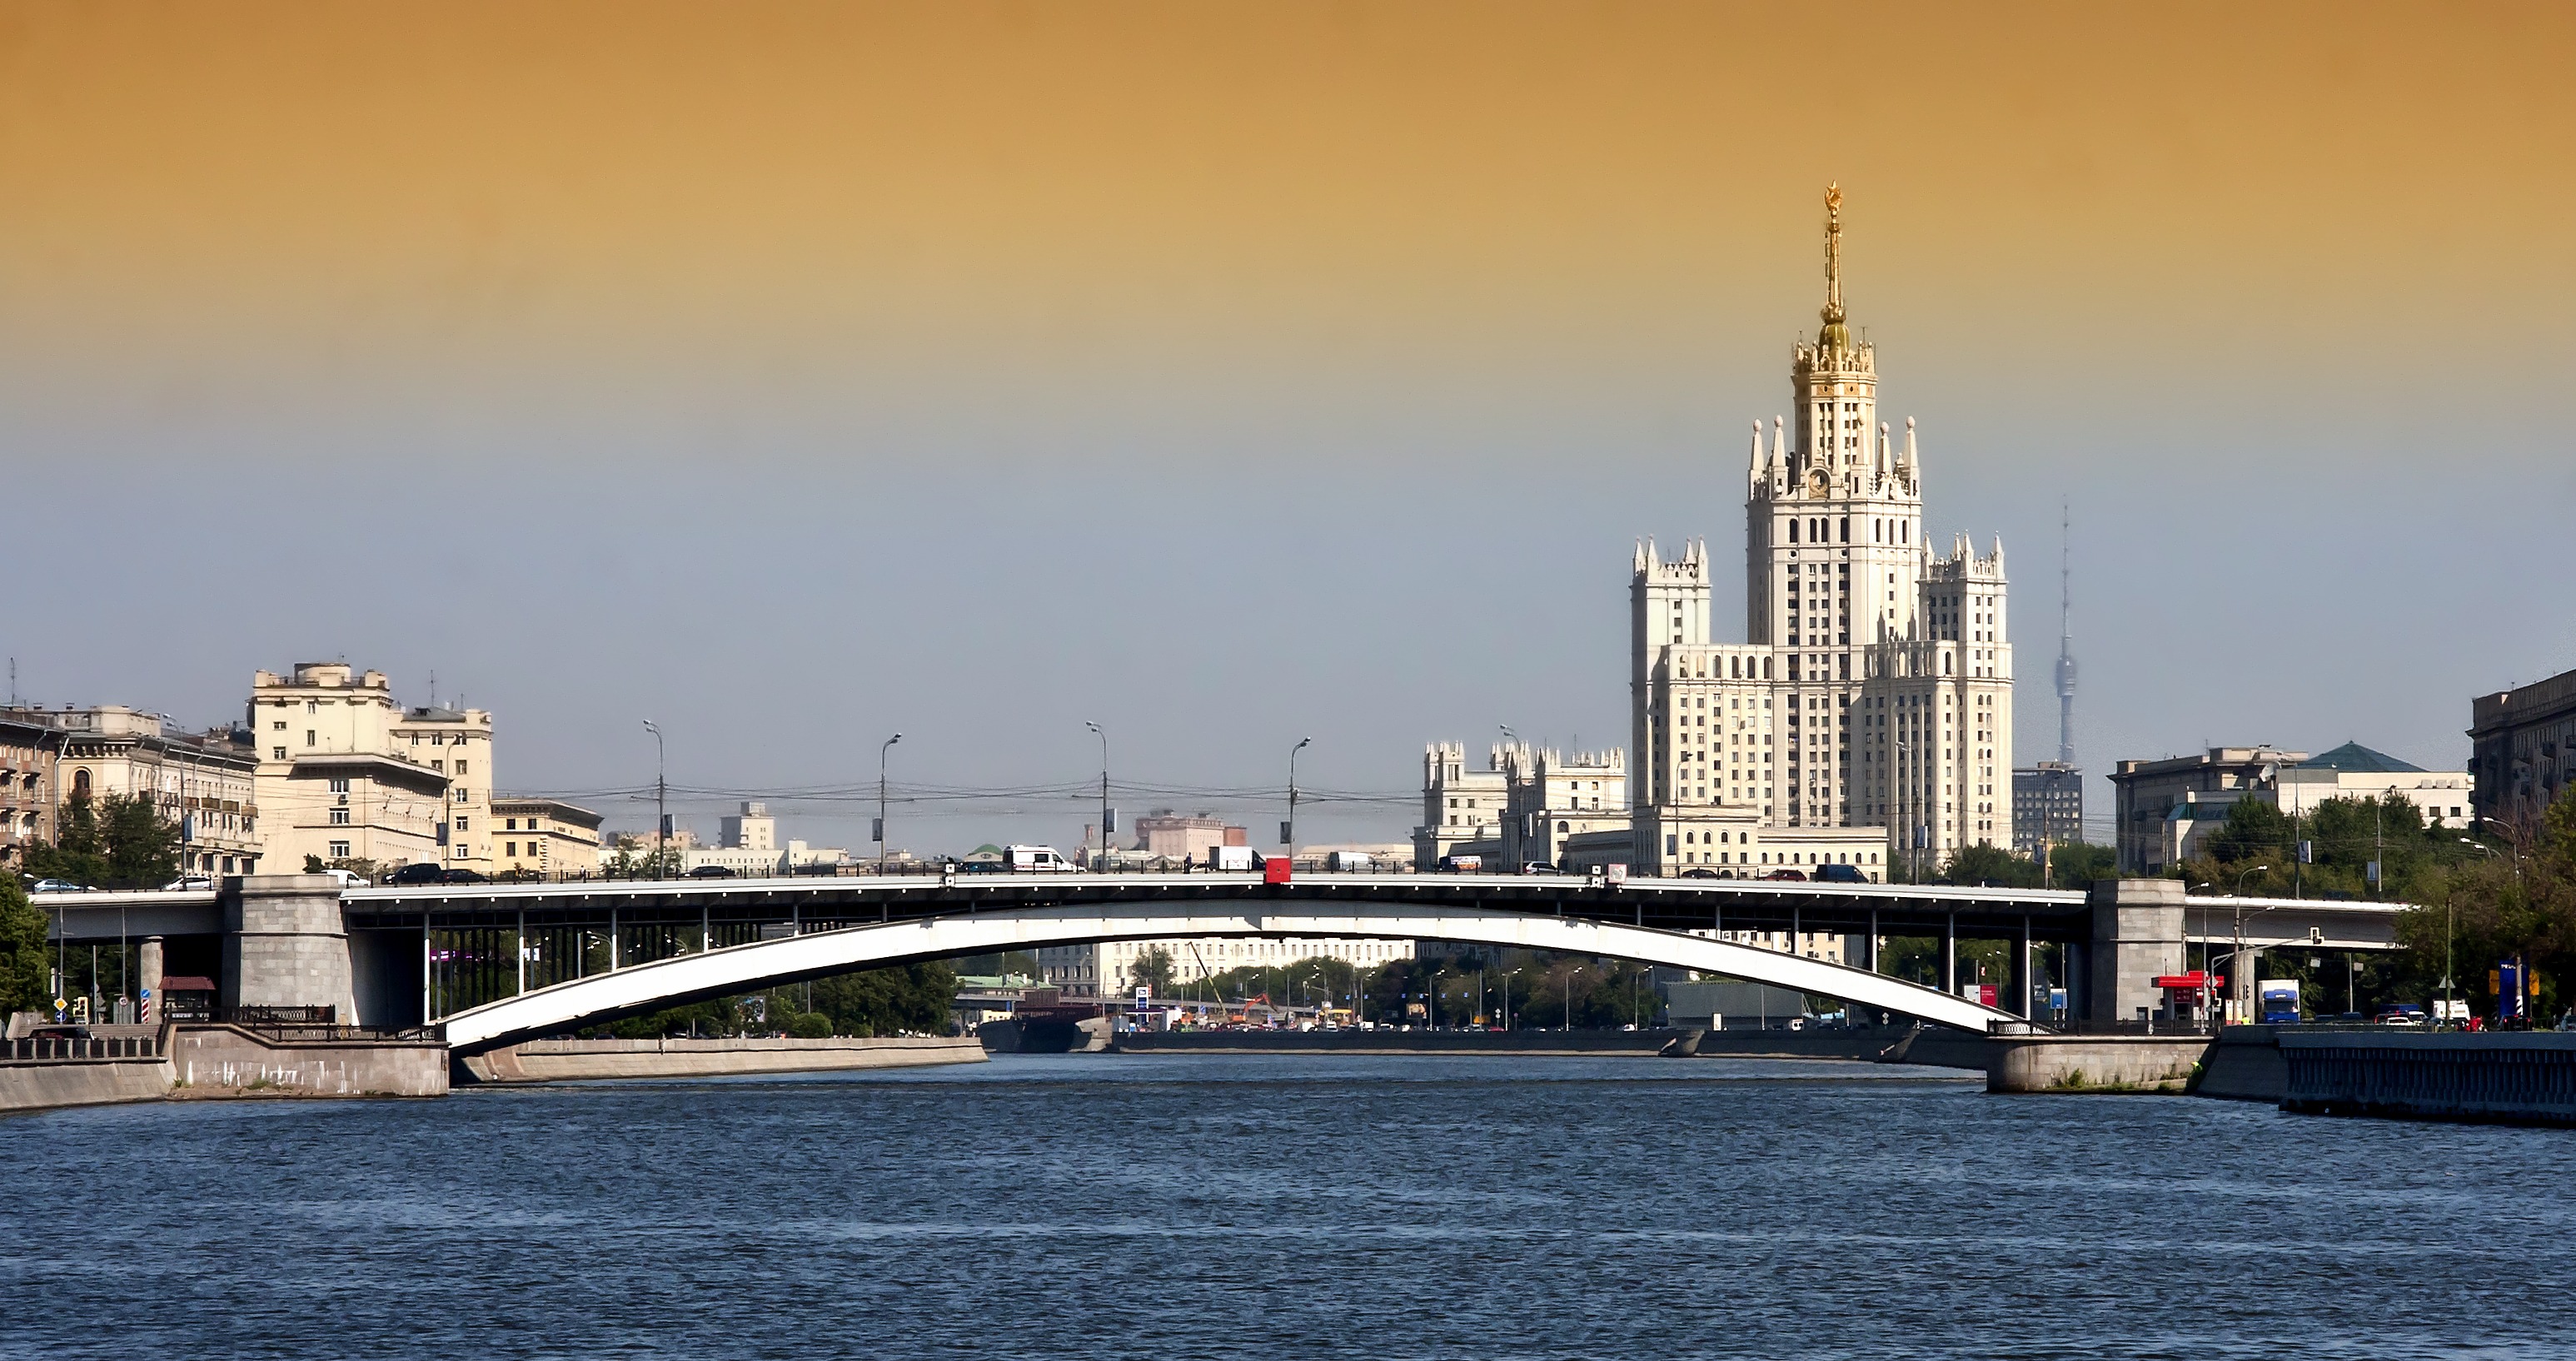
1840,874
712,872
188,881
60,886
348,879
418,872
1792,876
462,877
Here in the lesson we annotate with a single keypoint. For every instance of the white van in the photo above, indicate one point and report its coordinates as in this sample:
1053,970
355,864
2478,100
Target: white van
1224,858
1037,860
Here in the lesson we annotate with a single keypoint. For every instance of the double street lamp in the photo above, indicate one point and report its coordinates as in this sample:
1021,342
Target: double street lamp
881,801
661,805
1103,735
1288,829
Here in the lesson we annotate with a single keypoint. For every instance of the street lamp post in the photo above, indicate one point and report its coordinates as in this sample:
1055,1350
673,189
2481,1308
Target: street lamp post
661,803
1103,735
1291,827
881,800
2240,984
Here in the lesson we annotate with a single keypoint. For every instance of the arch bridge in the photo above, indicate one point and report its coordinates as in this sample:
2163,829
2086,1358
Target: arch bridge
501,962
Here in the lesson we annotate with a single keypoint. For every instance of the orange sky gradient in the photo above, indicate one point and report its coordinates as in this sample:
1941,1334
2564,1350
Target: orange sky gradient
285,203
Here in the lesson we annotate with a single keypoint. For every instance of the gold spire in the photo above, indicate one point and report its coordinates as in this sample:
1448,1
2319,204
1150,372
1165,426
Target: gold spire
1835,336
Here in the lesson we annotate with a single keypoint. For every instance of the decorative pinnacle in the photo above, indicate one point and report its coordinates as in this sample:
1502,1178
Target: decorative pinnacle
1833,313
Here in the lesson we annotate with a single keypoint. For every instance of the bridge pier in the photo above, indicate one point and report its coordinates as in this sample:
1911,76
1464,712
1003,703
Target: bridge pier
2020,982
2137,935
1950,954
285,944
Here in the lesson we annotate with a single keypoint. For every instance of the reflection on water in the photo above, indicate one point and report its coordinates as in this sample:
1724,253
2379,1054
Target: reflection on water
1229,1205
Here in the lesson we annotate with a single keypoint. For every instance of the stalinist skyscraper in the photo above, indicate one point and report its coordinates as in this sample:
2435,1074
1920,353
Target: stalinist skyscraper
1874,686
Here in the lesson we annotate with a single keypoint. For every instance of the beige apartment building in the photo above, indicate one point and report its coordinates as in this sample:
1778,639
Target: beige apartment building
1462,808
1108,969
30,753
199,782
2522,745
346,773
547,838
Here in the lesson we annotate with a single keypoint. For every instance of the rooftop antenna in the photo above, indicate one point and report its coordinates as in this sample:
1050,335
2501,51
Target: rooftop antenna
433,689
2065,637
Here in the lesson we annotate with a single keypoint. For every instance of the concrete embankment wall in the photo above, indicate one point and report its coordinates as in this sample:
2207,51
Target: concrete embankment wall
84,1082
2526,1078
1396,1041
2245,1065
224,1060
209,1061
573,1060
2093,1063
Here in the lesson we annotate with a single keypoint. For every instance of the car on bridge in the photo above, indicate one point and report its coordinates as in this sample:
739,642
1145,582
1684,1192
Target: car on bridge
1840,874
1788,876
59,886
712,872
417,872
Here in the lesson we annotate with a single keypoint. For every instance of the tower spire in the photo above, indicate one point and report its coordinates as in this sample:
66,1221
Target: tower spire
1835,336
2065,638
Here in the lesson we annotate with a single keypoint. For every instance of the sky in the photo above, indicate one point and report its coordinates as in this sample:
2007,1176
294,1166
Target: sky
795,375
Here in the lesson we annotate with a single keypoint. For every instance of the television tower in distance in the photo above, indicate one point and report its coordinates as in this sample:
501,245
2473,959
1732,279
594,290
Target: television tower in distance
2065,640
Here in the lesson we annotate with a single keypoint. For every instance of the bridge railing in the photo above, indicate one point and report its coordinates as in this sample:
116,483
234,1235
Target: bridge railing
79,1048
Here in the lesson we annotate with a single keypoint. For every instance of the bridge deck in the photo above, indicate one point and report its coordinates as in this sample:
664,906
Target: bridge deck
1664,904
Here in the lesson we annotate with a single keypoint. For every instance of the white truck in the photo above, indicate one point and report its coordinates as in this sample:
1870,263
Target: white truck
1222,858
1350,862
1037,860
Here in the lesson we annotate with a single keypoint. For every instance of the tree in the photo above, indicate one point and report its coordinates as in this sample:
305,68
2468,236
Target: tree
1986,862
2518,902
1153,971
2077,863
907,997
23,972
115,842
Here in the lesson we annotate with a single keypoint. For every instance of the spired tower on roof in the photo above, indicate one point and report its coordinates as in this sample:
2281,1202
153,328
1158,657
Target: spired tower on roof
1874,689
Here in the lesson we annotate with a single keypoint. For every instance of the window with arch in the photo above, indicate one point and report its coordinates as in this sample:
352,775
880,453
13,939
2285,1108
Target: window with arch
80,784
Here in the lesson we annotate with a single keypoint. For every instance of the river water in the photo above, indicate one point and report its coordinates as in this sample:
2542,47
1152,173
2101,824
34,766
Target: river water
1177,1206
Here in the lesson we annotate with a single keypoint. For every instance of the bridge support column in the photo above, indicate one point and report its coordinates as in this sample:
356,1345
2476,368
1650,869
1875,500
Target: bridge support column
1950,954
285,944
149,976
2137,934
2020,1003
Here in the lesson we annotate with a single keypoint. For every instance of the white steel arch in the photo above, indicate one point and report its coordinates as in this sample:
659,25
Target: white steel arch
748,968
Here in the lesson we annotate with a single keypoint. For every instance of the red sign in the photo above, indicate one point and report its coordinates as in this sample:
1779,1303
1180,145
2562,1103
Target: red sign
2189,982
1274,870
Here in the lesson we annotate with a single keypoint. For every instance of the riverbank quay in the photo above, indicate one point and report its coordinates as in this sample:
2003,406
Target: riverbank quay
1860,1043
216,1061
587,1060
2493,1077
1599,1042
